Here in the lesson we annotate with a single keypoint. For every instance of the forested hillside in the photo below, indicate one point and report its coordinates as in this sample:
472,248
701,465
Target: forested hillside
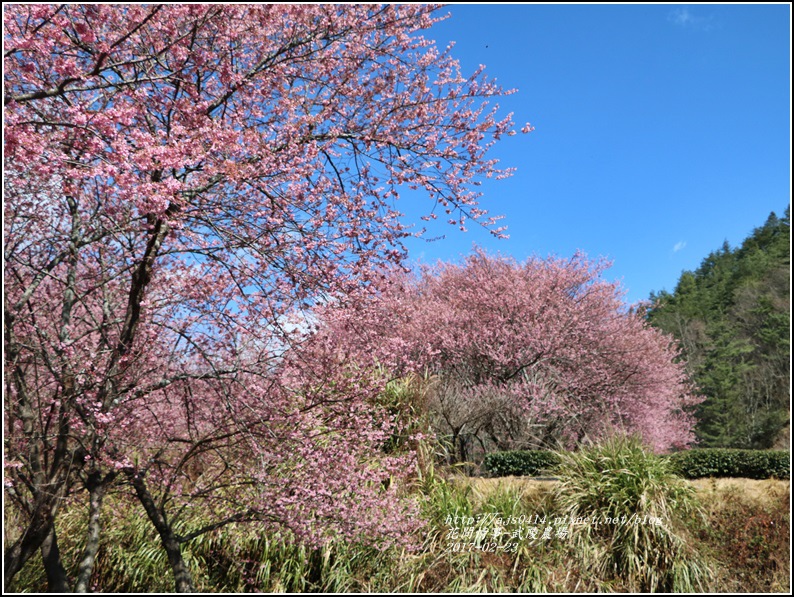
732,318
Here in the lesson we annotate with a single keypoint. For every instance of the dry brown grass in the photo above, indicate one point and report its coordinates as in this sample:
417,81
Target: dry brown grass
754,490
748,532
745,532
482,487
762,491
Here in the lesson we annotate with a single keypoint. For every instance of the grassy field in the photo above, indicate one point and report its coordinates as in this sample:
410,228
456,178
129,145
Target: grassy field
737,539
755,491
744,533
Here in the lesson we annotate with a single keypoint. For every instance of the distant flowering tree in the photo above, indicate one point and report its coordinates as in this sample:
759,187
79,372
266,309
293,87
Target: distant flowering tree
179,180
523,353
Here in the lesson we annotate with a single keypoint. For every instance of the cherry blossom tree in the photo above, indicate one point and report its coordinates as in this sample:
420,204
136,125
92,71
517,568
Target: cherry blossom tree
180,179
525,354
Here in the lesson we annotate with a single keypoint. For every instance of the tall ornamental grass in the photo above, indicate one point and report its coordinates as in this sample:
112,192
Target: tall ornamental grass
627,515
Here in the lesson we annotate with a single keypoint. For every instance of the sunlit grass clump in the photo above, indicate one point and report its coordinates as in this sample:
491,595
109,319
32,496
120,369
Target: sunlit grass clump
655,539
630,512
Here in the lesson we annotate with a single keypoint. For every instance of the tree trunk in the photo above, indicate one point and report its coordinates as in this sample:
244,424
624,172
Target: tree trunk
23,548
57,580
96,493
463,453
183,582
453,449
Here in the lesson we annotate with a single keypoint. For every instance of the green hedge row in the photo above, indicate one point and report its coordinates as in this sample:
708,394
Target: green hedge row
726,462
520,462
691,464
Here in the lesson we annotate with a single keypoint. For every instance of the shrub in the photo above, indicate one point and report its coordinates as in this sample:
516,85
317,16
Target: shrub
748,532
520,462
629,510
725,462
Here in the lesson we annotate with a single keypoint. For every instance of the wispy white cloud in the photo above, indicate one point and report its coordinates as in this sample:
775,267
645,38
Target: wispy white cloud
683,17
679,245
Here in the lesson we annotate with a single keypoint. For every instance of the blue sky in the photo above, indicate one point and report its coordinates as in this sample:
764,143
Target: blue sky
660,131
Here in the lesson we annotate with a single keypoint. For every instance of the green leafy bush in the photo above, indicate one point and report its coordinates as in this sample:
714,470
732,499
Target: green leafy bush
728,462
627,513
520,463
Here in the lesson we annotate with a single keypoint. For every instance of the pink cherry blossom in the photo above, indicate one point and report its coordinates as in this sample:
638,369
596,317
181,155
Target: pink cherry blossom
523,354
181,180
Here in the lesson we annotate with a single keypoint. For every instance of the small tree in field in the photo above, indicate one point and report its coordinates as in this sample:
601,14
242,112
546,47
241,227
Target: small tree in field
179,180
526,353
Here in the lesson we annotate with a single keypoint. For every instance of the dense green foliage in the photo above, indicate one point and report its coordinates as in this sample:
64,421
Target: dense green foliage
520,462
726,462
732,319
691,464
